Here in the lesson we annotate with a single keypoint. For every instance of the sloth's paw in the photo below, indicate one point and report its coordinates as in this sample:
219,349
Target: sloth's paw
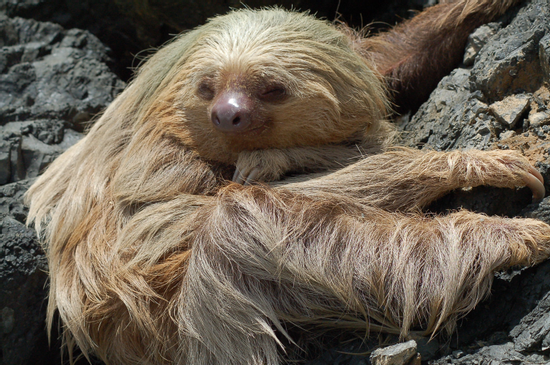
524,172
260,166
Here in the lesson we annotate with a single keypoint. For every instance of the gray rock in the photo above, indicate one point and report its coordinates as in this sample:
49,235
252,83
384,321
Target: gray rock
544,54
458,113
509,110
5,162
54,74
22,280
399,354
52,82
490,355
539,210
453,118
510,62
533,328
477,40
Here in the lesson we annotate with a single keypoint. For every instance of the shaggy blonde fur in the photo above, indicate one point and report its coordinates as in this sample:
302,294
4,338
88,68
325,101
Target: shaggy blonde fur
156,258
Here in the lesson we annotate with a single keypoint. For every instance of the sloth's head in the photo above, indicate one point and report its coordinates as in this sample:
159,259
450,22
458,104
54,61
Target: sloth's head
261,79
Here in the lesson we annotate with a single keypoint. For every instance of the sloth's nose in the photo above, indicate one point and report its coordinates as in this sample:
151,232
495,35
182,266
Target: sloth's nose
232,112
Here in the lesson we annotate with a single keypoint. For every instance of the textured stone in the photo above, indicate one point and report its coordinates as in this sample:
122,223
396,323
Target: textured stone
22,281
510,62
398,354
477,40
52,82
5,165
544,54
534,328
509,110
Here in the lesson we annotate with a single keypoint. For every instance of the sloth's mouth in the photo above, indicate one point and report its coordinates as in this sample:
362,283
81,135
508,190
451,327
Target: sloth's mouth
256,131
249,140
247,133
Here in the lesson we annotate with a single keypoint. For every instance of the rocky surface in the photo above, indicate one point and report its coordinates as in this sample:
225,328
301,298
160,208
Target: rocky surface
53,80
401,353
22,279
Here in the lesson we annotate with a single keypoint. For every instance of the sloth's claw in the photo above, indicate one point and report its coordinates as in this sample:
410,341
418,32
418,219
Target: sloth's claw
237,176
534,180
537,174
251,178
245,177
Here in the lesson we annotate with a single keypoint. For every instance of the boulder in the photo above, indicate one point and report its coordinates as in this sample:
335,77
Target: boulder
52,82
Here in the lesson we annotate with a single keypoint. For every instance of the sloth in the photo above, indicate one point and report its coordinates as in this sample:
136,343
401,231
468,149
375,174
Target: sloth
244,184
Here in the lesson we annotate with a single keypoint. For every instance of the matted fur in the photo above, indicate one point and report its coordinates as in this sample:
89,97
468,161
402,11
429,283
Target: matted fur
156,258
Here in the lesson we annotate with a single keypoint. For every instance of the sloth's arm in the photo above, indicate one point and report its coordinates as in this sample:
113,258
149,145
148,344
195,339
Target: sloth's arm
272,164
408,179
414,55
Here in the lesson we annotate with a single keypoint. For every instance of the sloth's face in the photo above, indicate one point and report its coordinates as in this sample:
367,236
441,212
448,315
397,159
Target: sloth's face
249,84
241,106
254,104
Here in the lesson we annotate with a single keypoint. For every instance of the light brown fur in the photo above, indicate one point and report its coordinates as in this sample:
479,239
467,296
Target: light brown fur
156,258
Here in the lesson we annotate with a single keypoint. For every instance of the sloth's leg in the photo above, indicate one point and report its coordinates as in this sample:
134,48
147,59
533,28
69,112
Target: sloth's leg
262,258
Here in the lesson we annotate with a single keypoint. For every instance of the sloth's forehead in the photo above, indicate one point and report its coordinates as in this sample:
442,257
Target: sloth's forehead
266,25
239,72
251,62
270,34
262,58
266,44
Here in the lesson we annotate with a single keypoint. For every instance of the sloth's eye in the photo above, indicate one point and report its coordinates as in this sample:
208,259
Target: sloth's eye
205,91
273,93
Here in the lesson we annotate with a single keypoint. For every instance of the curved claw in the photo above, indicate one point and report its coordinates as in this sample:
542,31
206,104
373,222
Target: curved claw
537,174
251,177
534,181
237,176
245,177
